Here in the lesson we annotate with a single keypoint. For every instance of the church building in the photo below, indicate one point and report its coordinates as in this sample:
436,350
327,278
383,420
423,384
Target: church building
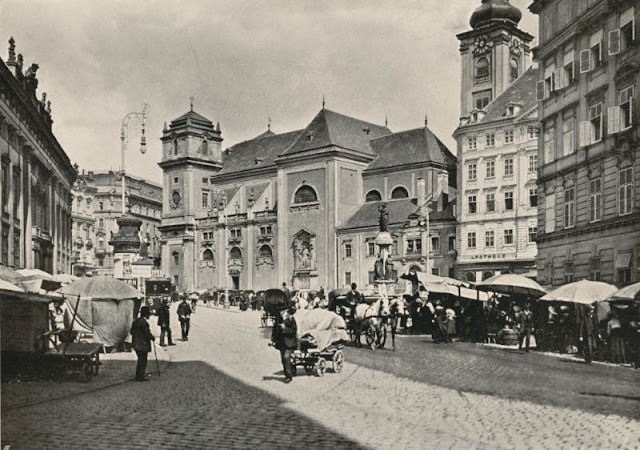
301,207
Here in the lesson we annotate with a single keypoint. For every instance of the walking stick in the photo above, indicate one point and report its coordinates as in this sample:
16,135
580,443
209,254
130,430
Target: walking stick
156,355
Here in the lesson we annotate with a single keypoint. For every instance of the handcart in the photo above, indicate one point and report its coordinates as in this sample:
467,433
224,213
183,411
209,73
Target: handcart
81,357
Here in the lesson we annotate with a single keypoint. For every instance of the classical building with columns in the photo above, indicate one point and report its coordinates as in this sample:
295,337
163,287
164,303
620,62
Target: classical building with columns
37,175
497,145
298,207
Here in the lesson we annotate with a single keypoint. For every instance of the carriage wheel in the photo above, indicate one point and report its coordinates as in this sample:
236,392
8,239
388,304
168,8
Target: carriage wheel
321,366
370,336
309,368
86,371
383,337
338,361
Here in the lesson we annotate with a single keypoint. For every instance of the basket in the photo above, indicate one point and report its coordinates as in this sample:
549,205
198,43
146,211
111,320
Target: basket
67,336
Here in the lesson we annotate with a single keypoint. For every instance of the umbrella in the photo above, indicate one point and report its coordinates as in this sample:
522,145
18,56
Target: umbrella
427,279
101,288
35,274
631,292
8,274
512,284
65,278
584,291
5,285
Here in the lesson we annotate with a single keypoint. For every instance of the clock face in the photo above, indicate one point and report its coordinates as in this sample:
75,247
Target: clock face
175,199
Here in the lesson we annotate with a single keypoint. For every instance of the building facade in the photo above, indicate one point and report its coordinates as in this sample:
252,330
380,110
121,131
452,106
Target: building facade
37,175
277,208
496,146
97,204
589,149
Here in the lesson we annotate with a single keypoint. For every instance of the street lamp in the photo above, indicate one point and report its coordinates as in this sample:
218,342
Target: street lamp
124,138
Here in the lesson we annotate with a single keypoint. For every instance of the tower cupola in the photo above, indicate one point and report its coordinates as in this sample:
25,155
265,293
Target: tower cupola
492,11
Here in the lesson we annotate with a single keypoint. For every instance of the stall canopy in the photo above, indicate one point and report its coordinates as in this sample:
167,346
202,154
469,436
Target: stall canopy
512,284
104,305
10,275
627,293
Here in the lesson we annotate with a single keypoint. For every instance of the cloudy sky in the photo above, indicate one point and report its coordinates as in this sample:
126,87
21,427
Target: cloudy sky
243,61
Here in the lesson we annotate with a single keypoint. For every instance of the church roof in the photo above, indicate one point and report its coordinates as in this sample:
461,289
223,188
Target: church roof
491,11
193,120
409,147
259,152
522,92
399,211
329,128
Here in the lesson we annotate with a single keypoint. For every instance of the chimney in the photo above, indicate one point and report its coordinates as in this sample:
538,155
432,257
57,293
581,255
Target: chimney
420,187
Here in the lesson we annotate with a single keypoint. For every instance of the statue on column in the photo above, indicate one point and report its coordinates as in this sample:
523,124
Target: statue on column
384,218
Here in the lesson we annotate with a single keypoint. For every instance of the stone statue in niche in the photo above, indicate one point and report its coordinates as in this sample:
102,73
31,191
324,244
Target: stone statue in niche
304,254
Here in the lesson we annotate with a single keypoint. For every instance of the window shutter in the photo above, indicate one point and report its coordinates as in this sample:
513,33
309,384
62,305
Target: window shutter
613,119
585,133
559,79
585,61
614,42
631,110
540,90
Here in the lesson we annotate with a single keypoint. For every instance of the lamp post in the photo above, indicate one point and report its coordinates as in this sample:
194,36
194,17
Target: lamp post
124,138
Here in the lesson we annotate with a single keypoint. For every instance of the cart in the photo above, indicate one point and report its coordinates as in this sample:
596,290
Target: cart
81,357
315,361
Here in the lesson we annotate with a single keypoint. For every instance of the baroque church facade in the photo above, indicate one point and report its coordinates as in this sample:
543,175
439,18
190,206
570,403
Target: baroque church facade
301,207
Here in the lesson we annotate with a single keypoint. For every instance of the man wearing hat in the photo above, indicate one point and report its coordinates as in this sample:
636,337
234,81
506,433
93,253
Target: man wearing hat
184,315
284,337
163,323
141,338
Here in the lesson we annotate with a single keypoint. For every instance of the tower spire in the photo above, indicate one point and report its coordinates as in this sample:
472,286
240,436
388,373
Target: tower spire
191,99
269,124
323,101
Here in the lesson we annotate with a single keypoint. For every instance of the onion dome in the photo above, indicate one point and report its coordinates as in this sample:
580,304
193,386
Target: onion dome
495,11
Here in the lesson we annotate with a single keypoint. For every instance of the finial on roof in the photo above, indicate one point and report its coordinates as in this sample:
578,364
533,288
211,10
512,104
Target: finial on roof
218,127
191,99
323,102
164,128
12,50
426,120
386,122
269,124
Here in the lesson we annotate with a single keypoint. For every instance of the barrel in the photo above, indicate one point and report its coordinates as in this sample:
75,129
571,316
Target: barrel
507,336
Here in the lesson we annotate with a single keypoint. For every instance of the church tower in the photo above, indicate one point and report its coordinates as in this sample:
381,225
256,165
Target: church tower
494,53
191,154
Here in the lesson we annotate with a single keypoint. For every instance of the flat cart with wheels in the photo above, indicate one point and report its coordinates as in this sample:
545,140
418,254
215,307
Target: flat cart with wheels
317,361
80,357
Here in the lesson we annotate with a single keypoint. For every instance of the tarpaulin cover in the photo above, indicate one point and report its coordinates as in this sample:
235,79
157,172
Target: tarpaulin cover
109,320
324,326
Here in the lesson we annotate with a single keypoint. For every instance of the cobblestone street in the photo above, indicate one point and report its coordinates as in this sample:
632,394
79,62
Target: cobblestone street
223,389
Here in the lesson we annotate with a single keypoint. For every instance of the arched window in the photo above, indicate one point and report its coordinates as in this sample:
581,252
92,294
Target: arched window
373,196
305,194
175,147
482,70
471,276
235,253
265,252
486,275
205,147
207,255
514,68
399,192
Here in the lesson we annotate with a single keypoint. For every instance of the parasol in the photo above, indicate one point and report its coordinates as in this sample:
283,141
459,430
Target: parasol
584,292
5,285
628,293
512,284
101,287
8,274
35,274
65,278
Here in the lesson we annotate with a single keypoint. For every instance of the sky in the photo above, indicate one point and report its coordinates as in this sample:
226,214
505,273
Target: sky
242,61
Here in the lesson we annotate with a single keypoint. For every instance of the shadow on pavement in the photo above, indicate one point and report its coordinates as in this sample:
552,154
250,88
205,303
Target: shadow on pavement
193,405
531,377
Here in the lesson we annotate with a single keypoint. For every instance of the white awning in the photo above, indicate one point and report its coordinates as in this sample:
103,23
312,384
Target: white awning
623,260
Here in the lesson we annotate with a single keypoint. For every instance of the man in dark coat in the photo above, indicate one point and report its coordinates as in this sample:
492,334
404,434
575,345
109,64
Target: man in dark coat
284,337
286,291
525,327
163,323
141,338
184,314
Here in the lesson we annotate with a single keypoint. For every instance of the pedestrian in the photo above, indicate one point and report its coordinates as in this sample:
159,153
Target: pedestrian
194,301
184,314
163,323
586,332
286,291
321,298
525,327
284,338
141,338
616,341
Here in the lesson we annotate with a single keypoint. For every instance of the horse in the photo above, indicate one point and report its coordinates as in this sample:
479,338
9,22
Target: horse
372,319
397,310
